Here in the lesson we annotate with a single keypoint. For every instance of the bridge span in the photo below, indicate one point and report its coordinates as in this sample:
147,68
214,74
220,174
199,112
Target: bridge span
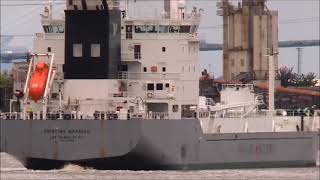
9,57
282,44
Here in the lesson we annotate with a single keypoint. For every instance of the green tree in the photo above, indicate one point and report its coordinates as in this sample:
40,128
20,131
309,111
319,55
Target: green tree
285,76
4,79
288,78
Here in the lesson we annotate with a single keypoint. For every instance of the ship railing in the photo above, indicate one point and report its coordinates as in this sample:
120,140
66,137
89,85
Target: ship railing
148,76
237,86
120,94
155,75
263,113
191,15
61,115
280,112
204,114
195,14
130,56
149,115
287,112
157,115
73,115
225,114
28,116
123,75
11,115
145,95
158,95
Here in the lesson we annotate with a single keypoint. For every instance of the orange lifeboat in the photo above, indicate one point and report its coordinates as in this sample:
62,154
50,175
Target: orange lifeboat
38,81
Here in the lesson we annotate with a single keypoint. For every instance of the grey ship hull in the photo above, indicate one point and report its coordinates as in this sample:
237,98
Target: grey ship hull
151,144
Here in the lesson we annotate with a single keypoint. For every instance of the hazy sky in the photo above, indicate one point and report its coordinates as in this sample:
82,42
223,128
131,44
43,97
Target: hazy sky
299,19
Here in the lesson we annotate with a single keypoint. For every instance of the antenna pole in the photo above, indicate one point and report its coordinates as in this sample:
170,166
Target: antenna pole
299,60
271,83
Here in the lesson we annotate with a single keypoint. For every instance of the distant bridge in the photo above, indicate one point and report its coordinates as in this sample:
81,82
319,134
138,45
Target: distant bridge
282,44
9,57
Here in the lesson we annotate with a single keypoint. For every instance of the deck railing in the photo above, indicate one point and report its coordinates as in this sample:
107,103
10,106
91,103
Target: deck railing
147,76
157,115
130,56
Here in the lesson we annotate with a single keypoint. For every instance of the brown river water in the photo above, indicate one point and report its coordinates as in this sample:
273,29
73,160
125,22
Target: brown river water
13,170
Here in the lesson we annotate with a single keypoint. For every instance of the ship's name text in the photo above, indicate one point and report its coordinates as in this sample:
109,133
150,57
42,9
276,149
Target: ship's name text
66,135
66,131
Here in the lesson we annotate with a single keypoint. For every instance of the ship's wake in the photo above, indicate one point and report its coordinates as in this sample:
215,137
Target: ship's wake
73,167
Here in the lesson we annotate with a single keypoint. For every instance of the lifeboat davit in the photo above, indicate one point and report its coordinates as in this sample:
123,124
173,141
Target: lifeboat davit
38,81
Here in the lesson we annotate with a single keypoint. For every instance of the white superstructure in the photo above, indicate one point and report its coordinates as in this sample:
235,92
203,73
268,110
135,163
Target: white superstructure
159,71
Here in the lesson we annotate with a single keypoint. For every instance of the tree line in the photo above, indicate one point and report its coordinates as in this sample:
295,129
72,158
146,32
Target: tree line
288,78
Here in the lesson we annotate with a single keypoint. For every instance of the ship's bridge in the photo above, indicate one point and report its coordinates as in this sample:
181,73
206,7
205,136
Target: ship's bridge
135,32
53,26
186,26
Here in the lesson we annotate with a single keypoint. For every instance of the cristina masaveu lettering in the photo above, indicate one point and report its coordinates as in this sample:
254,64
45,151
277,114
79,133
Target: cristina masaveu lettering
66,135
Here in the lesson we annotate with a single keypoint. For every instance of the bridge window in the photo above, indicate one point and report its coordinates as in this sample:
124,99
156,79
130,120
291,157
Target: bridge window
47,29
185,29
146,29
163,29
174,29
53,29
152,29
60,29
140,29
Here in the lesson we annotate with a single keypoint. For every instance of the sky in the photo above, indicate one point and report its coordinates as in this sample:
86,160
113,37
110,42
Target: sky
299,20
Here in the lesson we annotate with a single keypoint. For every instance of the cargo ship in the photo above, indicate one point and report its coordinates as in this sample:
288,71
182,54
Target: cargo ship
108,91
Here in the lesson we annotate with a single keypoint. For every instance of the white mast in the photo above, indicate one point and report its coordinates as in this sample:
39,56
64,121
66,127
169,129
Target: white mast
271,83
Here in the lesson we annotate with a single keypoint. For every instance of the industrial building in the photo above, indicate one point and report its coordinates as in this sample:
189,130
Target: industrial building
250,34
